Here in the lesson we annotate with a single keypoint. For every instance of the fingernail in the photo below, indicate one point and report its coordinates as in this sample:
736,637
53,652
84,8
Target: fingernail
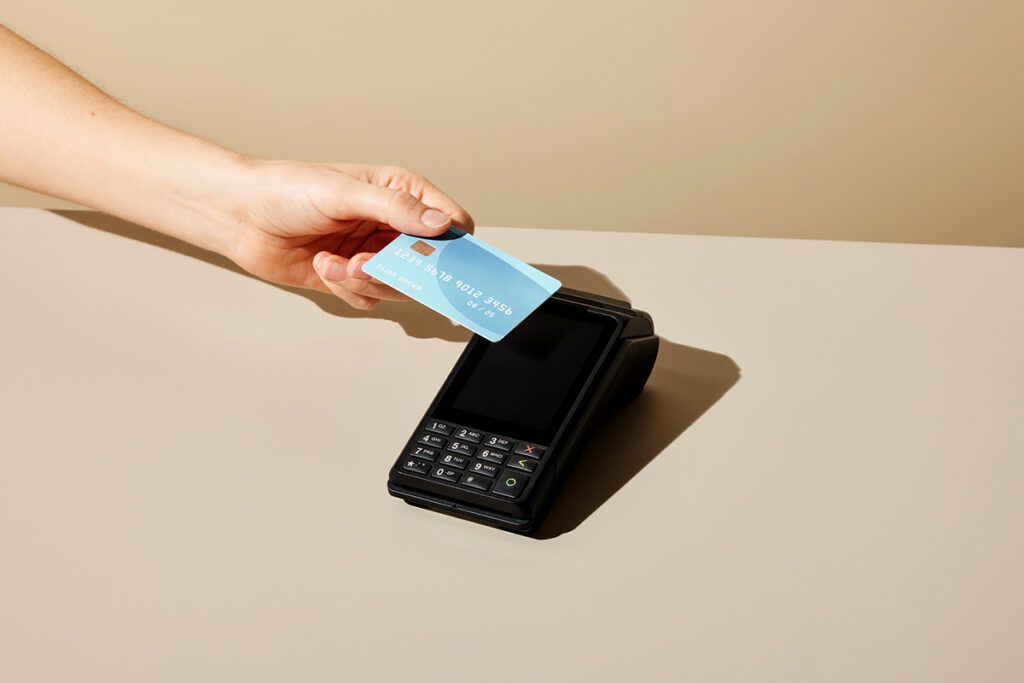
335,272
432,218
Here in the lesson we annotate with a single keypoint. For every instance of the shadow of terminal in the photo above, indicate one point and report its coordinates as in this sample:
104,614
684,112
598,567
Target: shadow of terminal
685,382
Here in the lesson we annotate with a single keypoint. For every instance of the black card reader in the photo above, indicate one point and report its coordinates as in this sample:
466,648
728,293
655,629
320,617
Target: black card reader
509,421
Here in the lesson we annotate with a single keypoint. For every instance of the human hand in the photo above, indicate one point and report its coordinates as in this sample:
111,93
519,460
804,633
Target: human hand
314,225
293,223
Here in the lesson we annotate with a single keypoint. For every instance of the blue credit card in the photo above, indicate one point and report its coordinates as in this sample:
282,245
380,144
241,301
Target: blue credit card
463,278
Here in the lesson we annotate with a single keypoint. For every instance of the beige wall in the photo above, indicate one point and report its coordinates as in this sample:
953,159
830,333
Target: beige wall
879,120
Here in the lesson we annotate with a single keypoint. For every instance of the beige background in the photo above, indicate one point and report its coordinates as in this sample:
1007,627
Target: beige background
821,483
879,120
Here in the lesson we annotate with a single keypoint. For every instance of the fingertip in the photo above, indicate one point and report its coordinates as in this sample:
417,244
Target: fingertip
330,267
355,266
462,219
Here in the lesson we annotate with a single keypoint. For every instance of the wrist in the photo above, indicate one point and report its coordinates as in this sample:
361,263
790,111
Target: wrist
205,199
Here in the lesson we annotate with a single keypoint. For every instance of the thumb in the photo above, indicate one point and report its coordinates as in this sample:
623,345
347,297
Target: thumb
397,208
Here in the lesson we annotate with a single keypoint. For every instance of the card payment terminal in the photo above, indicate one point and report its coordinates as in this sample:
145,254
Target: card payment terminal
509,421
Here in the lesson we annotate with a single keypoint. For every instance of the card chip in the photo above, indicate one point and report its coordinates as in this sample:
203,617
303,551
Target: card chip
422,247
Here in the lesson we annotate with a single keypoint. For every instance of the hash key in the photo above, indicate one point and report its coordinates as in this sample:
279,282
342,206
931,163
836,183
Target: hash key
475,481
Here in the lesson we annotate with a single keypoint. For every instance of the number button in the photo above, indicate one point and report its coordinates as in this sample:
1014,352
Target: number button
439,427
416,465
521,463
485,469
431,440
446,473
491,456
498,442
468,435
454,461
462,448
510,484
529,449
423,452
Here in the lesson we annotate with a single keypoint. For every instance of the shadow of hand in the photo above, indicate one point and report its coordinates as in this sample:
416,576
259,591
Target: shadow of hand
417,321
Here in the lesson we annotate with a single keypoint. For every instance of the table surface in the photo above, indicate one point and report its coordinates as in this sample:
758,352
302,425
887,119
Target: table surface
822,481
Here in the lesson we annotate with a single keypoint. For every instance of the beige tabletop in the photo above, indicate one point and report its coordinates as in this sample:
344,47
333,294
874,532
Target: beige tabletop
822,482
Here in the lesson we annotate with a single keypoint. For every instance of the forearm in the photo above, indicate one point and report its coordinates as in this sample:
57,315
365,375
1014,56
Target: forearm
61,135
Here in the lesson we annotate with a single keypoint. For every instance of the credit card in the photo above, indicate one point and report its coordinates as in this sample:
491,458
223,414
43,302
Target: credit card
464,278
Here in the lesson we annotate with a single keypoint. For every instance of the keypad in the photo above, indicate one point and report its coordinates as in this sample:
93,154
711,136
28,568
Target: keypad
472,458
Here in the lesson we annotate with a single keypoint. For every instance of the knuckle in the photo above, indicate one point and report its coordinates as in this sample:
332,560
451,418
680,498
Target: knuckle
401,201
389,173
400,173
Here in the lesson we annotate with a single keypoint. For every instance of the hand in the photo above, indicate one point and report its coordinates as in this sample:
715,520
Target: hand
314,225
300,224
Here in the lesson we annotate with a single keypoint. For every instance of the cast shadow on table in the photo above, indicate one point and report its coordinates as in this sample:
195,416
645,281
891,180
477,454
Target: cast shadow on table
684,384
